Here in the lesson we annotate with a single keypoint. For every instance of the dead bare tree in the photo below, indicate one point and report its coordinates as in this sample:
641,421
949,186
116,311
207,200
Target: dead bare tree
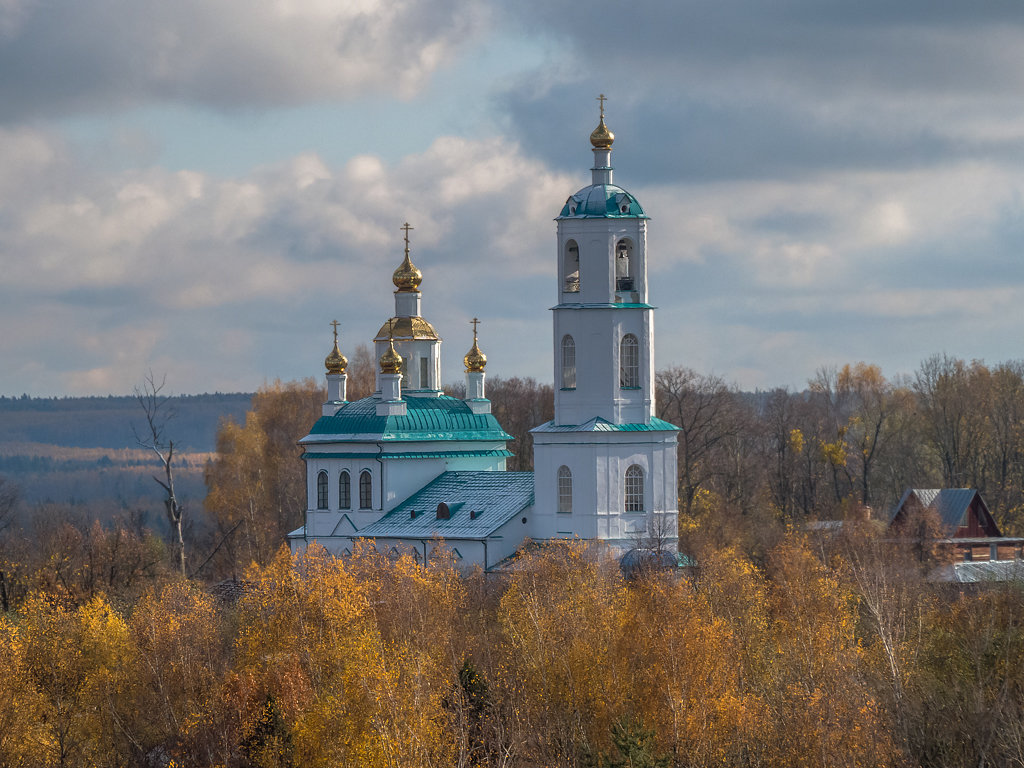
156,408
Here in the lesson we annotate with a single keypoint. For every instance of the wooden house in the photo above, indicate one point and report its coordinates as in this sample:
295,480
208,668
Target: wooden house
966,525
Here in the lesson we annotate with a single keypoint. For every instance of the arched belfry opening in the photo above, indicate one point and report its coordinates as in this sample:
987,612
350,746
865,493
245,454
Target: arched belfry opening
571,262
625,265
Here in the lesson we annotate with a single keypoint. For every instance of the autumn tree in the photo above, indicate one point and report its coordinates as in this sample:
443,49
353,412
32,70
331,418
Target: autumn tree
859,405
362,374
953,415
73,658
179,670
519,405
256,487
559,615
703,409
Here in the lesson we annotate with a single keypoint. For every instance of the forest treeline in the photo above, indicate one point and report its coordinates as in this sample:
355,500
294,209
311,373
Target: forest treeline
749,463
836,652
777,649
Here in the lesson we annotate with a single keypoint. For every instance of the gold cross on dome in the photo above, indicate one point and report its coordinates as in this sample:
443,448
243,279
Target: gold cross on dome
474,322
335,324
602,98
406,227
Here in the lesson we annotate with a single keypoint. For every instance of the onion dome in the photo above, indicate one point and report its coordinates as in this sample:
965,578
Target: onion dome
336,362
407,277
475,360
391,361
602,138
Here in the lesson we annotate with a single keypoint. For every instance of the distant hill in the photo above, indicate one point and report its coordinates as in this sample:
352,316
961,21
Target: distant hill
106,422
82,450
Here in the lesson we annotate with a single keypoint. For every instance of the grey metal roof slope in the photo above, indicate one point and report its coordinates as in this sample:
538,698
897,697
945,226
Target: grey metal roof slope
493,498
951,504
980,572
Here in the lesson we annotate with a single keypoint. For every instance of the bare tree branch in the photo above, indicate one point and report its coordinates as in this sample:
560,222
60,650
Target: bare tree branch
156,408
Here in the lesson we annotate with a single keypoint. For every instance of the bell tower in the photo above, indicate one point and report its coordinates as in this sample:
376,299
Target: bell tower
605,467
603,325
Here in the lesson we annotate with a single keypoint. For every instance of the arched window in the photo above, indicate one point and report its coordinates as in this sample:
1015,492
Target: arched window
634,489
344,490
572,267
365,489
629,362
625,277
564,490
568,362
321,490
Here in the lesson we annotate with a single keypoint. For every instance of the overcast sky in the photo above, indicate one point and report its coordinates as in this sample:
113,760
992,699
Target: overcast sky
199,187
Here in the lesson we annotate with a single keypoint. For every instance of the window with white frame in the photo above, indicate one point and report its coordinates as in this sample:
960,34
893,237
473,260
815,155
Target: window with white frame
344,490
564,490
634,489
572,267
365,489
568,362
629,362
321,490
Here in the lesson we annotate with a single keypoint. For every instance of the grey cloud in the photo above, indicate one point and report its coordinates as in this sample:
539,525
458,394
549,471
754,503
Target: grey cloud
88,56
706,91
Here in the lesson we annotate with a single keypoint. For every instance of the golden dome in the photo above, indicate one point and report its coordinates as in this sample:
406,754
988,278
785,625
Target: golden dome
336,362
602,138
475,360
407,277
406,328
391,361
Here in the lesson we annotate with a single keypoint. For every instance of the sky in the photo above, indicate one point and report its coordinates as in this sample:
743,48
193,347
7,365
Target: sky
198,188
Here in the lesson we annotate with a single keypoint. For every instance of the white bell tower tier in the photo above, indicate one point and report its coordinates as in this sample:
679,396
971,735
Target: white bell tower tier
605,467
413,338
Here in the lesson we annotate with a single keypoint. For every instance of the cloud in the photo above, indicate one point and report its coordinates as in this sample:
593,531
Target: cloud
86,56
711,91
226,282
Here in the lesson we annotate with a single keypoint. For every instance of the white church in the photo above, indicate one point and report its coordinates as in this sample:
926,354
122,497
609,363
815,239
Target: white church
411,469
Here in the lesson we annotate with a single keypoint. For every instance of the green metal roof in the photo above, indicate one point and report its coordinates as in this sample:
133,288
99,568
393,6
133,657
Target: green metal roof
426,418
605,305
502,453
493,498
602,425
602,201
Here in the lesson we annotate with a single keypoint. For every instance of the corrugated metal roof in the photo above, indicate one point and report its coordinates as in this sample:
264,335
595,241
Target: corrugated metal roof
427,418
494,498
951,504
602,201
980,571
407,455
602,425
604,305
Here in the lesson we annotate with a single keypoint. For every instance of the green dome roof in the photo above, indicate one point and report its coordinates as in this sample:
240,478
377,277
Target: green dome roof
602,201
427,418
